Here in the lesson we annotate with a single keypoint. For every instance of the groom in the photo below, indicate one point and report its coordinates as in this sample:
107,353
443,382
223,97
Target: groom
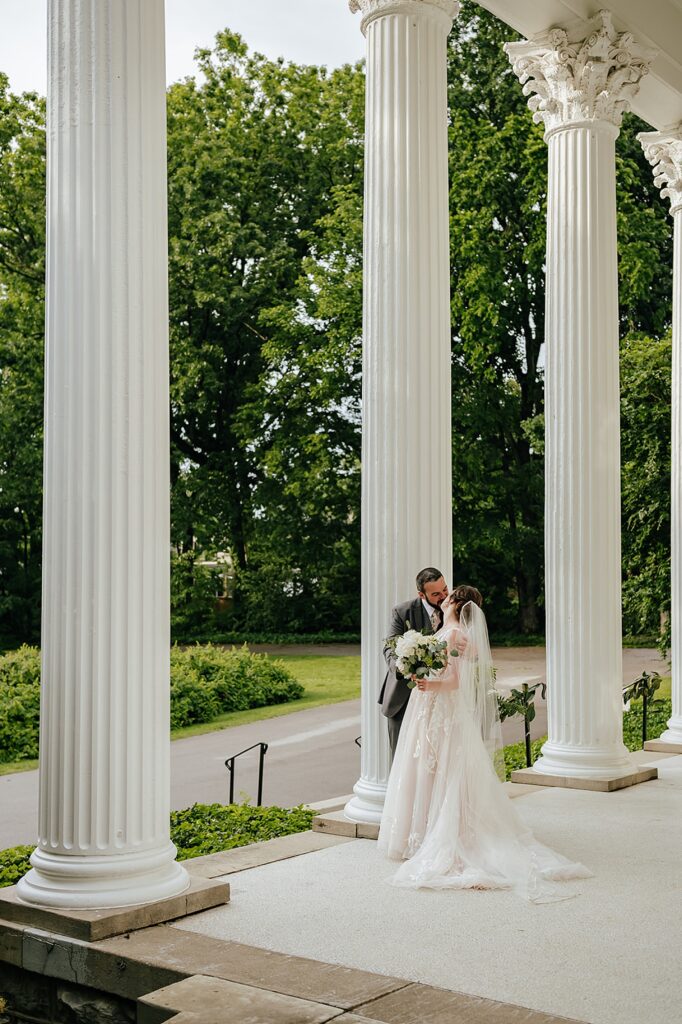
423,614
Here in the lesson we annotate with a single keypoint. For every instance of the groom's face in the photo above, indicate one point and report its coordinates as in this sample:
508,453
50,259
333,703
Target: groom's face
436,592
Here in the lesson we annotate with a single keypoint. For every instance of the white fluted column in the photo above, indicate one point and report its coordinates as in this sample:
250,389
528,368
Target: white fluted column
579,85
406,448
664,151
104,750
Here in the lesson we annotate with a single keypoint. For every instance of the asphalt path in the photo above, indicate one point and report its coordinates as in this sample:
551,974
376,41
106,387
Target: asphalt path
311,754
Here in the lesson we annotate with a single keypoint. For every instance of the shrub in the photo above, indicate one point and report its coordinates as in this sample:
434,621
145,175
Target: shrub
515,755
657,718
209,828
203,828
193,699
14,864
238,679
19,704
221,636
205,682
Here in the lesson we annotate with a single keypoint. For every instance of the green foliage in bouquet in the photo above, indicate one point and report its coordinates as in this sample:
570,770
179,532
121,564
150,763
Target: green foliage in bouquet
418,654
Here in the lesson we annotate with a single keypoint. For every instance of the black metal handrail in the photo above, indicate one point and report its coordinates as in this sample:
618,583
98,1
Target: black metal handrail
229,764
644,687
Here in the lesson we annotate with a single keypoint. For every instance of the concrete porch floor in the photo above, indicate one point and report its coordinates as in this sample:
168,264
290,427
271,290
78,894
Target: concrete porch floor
607,956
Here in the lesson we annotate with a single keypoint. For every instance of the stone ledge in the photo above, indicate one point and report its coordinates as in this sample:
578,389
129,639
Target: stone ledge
532,778
647,758
91,925
188,953
255,855
337,824
419,1002
204,1000
336,803
663,747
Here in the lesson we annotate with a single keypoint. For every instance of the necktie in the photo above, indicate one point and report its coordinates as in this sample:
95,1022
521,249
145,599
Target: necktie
435,620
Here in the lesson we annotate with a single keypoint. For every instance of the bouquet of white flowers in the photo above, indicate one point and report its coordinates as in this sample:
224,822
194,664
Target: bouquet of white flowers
419,654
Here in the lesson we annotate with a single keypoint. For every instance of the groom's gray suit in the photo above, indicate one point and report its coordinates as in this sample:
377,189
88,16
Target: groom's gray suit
395,692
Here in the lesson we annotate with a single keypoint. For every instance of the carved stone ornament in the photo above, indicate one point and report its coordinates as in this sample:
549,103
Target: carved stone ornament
588,74
663,150
371,9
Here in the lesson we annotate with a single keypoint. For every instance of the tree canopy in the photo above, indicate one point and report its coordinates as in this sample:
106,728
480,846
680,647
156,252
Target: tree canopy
265,166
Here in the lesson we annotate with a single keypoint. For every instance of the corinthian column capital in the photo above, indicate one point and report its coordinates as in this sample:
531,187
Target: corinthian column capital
586,75
663,150
445,10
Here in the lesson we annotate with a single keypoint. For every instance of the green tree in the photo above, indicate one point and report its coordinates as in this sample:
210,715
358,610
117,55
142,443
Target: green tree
22,272
259,156
498,220
645,456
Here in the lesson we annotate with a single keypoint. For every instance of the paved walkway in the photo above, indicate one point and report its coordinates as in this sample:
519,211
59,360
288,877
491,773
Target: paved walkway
605,956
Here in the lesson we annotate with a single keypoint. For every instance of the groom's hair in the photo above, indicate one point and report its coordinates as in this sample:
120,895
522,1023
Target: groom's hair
463,594
428,575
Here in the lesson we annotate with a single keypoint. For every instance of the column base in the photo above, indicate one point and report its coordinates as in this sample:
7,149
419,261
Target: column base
91,882
367,805
93,925
531,777
584,762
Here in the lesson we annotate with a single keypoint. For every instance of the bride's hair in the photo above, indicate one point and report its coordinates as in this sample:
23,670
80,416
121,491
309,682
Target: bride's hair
459,596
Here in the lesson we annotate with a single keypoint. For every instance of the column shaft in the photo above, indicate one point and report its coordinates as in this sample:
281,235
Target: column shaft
104,751
579,80
406,456
673,734
582,458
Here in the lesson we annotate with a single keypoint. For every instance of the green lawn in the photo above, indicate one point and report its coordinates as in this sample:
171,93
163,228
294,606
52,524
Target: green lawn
326,680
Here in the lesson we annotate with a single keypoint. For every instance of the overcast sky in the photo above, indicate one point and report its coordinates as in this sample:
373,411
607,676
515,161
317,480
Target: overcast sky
306,31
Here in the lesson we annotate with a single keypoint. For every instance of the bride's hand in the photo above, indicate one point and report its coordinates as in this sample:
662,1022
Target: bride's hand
425,684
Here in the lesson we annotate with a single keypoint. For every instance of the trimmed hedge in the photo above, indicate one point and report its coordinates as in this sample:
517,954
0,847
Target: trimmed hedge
19,704
208,681
205,682
201,829
217,636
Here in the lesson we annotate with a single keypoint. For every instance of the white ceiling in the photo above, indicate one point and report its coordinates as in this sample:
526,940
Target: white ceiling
655,23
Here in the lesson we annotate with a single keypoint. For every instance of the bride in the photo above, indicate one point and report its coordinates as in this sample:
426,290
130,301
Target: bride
446,814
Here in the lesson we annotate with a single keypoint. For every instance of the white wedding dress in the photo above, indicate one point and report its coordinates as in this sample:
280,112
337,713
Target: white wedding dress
446,814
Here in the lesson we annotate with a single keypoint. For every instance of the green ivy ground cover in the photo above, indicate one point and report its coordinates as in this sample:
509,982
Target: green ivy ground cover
198,830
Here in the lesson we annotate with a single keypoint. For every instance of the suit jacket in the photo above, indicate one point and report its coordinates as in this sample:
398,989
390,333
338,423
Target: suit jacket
395,692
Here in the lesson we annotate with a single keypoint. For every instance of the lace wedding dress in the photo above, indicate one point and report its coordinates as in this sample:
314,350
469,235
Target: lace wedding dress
446,814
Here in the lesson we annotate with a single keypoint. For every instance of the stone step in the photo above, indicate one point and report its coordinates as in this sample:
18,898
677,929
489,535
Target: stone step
337,824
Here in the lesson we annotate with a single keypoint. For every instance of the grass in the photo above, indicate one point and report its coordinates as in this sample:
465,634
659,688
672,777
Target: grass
327,680
9,767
